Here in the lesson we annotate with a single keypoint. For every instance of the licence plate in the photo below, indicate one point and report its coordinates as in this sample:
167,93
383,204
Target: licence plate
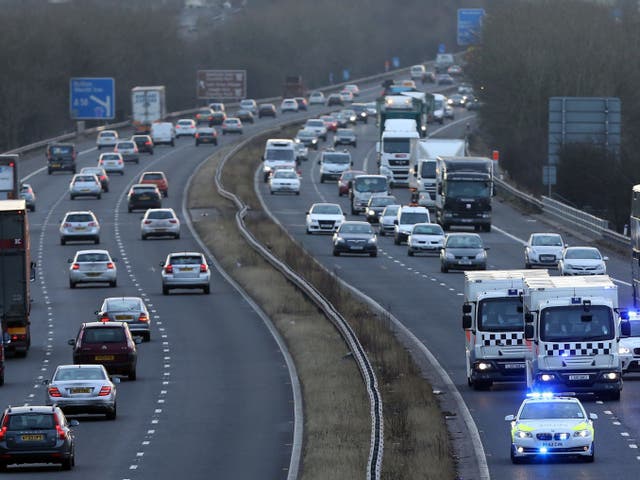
465,262
357,248
123,317
513,365
81,390
579,377
552,444
55,164
16,330
93,274
32,438
80,228
144,197
104,357
186,269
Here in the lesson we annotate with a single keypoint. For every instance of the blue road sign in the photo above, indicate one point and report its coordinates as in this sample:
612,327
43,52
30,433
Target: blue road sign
469,25
346,75
92,98
396,62
441,48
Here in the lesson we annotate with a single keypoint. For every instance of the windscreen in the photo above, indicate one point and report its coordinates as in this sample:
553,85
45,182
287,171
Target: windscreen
84,373
104,335
356,228
428,230
500,315
370,184
546,241
411,218
467,189
428,170
280,154
575,324
327,210
438,105
337,158
545,410
582,253
396,145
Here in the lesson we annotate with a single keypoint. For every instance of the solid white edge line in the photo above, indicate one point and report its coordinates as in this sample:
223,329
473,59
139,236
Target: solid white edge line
298,412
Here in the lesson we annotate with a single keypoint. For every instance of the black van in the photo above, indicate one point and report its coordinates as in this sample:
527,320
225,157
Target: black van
61,157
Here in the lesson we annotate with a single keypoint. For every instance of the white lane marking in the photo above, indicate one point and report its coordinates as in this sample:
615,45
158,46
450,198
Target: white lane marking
451,124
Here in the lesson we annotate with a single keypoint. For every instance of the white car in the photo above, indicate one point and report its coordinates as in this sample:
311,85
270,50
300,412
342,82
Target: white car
185,270
186,127
324,217
250,105
284,180
111,162
346,96
582,261
353,88
231,125
107,138
387,219
317,98
543,249
289,105
160,222
629,347
163,133
83,185
81,225
92,266
551,426
425,238
318,126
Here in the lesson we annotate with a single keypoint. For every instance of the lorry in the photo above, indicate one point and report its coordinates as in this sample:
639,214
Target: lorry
443,62
15,276
572,331
493,324
422,165
394,149
464,187
9,182
408,105
293,87
148,105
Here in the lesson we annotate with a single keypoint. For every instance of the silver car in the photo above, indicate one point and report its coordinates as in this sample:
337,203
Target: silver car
28,195
111,162
160,222
128,149
82,389
463,251
185,270
83,185
387,219
92,266
131,310
81,225
107,138
543,249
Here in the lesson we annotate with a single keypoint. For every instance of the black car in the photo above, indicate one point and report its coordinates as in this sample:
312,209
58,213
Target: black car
302,103
377,205
61,157
144,143
36,434
362,112
217,118
206,135
334,99
355,237
143,196
267,110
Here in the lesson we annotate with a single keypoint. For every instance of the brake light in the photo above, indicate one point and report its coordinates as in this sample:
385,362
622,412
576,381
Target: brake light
92,224
147,142
173,221
3,430
197,135
104,318
61,433
54,392
143,318
203,267
147,222
110,266
67,225
75,266
168,269
104,391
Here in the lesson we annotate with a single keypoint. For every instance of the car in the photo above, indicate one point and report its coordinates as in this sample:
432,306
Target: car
425,238
345,136
232,125
204,115
163,133
548,425
465,89
284,180
131,310
128,150
307,137
109,344
324,217
473,103
456,100
92,266
217,107
387,219
61,157
629,347
355,237
144,143
329,122
302,152
185,127
288,105
407,217
353,88
582,261
245,116
418,73
346,96
362,112
98,172
83,388
302,103
206,135
463,251
160,222
159,179
36,434
543,249
82,185
444,79
218,118
107,138
376,206
79,226
249,105
350,115
28,195
318,126
111,162
344,182
334,99
455,70
143,196
267,110
333,163
316,98
449,112
185,270
342,119
430,76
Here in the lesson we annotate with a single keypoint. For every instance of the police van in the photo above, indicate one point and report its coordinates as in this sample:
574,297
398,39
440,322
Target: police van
278,153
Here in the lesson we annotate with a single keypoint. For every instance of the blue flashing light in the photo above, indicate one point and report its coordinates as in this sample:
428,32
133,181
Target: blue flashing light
512,291
576,300
564,353
633,314
538,395
543,450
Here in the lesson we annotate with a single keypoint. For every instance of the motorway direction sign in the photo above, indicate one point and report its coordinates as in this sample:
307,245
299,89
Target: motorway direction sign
221,84
469,25
92,98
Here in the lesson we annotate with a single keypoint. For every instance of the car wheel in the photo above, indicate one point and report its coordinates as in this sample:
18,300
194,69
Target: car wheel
151,152
122,173
336,253
113,284
132,375
373,254
99,196
2,379
96,240
143,237
271,192
33,208
177,236
130,209
137,161
298,192
207,290
165,290
49,171
353,211
72,197
355,145
321,178
396,240
443,269
381,232
410,252
615,396
99,147
112,414
147,337
527,265
67,463
173,144
72,284
63,241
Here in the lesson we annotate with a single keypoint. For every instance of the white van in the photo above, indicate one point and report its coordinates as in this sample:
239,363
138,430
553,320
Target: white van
278,153
163,133
418,72
407,217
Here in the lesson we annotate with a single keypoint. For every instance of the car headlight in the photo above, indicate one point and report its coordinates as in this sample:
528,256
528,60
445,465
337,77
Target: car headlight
267,168
449,256
481,256
371,212
482,366
339,240
582,433
610,376
522,434
624,350
371,241
547,377
314,141
297,140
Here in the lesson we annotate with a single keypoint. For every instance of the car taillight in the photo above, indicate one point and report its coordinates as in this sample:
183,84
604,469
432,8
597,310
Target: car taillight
147,222
104,391
3,430
168,269
61,433
173,221
110,266
75,266
203,267
54,392
92,224
147,143
143,318
104,318
197,135
66,225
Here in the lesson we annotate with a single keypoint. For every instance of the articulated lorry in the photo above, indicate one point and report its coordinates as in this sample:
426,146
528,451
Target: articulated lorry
464,187
15,276
493,325
572,331
394,149
9,182
148,105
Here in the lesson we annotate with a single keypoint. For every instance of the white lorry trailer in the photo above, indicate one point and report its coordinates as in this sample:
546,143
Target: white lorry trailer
394,149
148,106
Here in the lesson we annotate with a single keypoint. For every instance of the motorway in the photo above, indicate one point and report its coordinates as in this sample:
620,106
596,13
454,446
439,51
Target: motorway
429,303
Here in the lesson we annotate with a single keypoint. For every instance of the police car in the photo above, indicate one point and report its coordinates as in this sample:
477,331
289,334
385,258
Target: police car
548,425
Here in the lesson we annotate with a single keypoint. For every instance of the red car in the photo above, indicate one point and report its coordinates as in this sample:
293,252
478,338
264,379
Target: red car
158,179
330,122
344,182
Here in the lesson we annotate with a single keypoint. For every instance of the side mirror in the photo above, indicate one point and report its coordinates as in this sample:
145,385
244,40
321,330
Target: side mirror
262,157
319,162
114,260
466,322
466,308
161,264
71,342
74,423
352,163
528,331
115,379
137,340
606,259
97,312
395,222
625,328
509,418
45,381
593,416
487,248
528,317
